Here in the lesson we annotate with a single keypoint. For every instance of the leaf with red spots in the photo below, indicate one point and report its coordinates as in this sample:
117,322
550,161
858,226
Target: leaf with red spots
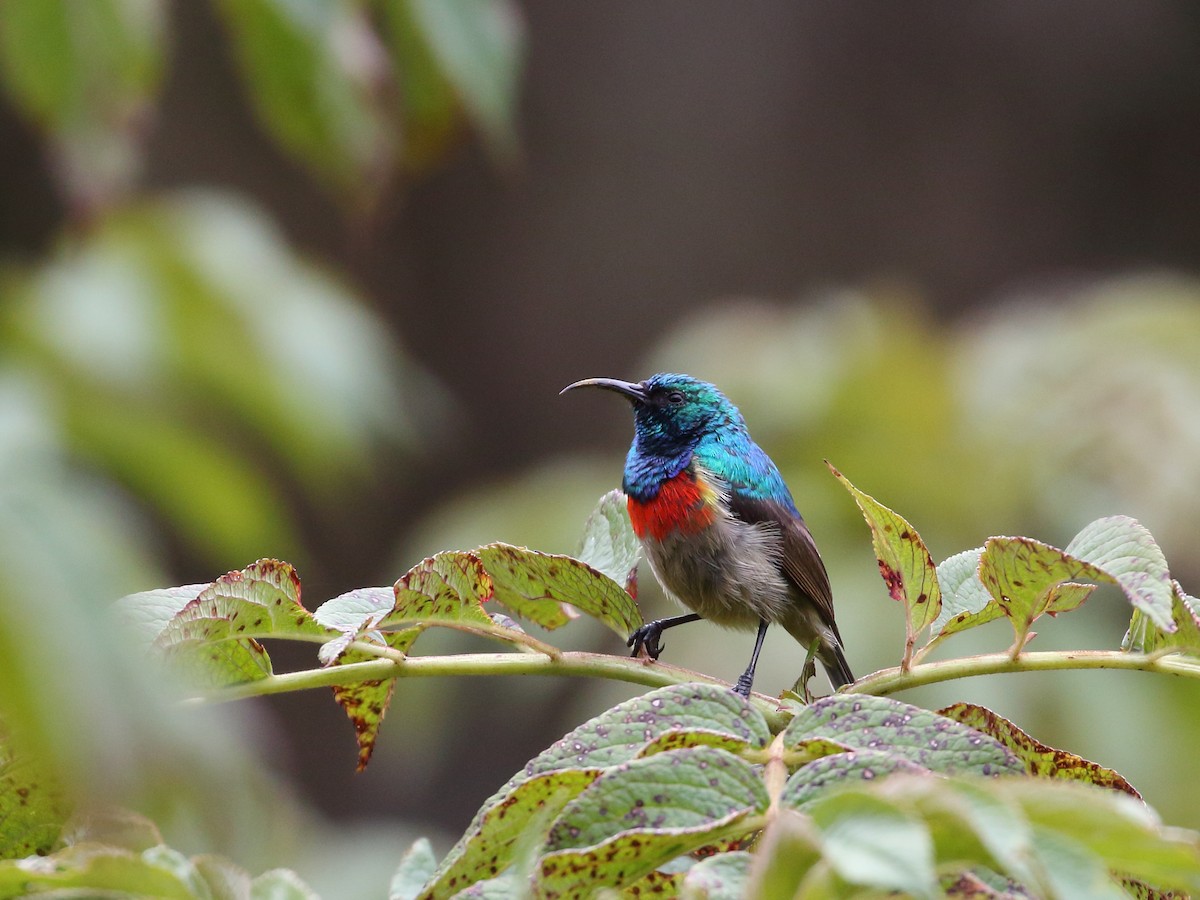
677,739
1039,759
33,807
539,586
365,705
1143,636
494,837
639,815
880,724
904,562
1027,578
609,545
214,636
1126,551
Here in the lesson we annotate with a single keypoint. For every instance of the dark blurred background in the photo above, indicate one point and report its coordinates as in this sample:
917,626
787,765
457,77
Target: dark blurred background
952,248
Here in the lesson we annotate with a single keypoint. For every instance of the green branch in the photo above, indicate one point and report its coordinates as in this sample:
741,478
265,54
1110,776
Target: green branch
889,681
567,663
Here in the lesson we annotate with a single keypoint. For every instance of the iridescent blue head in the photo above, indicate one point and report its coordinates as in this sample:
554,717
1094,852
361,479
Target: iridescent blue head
671,412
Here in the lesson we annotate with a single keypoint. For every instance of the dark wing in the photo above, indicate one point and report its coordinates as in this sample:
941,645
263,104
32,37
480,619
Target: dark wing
801,561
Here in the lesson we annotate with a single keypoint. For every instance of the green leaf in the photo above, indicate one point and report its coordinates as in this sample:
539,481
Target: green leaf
904,562
643,813
788,854
1039,759
872,842
356,614
904,731
536,585
619,734
720,877
365,705
86,73
1070,872
33,807
213,636
281,884
1124,549
677,739
91,869
965,601
1024,575
317,76
841,771
416,867
494,837
149,612
1145,637
476,48
609,545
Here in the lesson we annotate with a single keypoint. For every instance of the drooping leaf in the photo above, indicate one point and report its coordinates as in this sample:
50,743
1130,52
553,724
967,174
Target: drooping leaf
1039,759
1024,575
493,838
639,815
901,730
148,612
1144,636
609,544
537,585
319,80
365,704
86,73
904,562
416,868
1124,549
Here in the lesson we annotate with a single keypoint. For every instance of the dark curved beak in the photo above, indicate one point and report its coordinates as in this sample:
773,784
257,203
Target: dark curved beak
635,392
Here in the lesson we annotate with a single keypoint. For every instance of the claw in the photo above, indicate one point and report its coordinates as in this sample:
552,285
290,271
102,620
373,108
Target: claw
647,636
743,687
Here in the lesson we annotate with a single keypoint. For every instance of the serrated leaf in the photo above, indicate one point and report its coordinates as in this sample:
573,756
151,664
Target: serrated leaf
965,601
224,880
1022,575
536,586
904,563
214,636
148,612
1039,759
609,544
365,704
416,867
33,806
619,734
1124,549
637,816
324,105
869,841
355,613
493,838
720,877
909,732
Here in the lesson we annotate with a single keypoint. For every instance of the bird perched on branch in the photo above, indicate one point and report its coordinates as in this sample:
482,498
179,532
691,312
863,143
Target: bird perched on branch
718,524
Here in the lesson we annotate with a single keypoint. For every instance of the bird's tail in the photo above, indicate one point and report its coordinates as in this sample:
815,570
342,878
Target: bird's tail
833,660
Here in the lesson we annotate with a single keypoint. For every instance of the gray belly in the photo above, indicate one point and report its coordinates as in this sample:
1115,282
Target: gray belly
729,573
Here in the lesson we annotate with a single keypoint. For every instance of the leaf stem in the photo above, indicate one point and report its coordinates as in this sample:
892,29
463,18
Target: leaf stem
568,663
890,681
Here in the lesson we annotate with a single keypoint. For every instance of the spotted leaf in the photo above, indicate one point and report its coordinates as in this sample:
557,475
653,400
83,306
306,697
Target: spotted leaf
609,545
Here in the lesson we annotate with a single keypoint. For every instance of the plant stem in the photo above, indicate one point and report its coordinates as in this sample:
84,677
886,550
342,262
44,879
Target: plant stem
568,663
889,681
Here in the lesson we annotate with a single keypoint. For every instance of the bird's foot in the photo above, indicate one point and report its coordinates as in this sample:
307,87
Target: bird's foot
744,683
648,637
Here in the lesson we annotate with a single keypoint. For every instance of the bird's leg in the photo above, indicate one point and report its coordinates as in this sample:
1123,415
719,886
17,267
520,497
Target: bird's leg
647,636
746,681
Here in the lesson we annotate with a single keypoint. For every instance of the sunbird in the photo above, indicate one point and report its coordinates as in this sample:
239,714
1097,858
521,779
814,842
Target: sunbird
718,525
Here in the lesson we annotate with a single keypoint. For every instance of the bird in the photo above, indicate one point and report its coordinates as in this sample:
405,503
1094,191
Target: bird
718,524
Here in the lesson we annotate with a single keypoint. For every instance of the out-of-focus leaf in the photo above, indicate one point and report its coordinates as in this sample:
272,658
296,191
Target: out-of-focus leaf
320,81
1039,759
537,585
788,854
455,56
416,867
904,562
86,73
720,877
281,884
32,806
609,545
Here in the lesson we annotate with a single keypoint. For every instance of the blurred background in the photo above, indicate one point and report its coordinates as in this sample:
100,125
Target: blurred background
303,280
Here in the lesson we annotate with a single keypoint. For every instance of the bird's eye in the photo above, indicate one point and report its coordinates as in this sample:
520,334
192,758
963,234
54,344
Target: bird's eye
675,398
